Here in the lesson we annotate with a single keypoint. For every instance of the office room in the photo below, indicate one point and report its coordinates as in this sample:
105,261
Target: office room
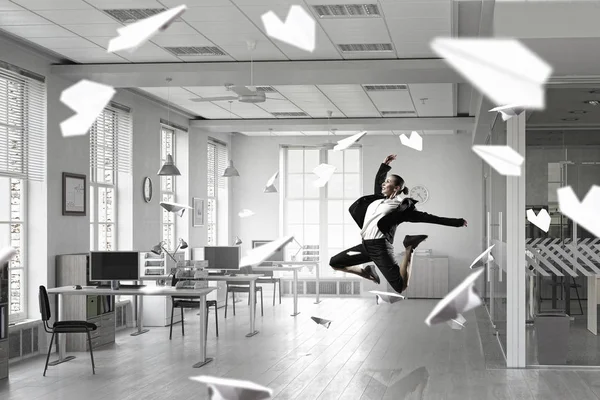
318,199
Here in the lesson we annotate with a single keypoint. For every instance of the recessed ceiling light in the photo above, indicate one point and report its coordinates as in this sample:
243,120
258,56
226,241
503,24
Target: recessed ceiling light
592,102
570,119
578,112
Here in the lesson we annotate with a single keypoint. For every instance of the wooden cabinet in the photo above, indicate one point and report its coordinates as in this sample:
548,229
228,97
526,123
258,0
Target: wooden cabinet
73,269
429,277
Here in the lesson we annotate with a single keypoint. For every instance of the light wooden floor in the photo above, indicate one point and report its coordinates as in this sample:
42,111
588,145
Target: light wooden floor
369,352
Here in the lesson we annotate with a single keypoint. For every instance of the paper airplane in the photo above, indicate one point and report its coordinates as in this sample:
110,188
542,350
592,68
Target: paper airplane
386,296
349,141
353,253
321,321
259,254
458,322
270,187
461,299
134,35
509,111
233,389
324,172
484,257
87,99
586,213
174,207
542,220
414,142
504,70
503,159
6,254
298,30
245,213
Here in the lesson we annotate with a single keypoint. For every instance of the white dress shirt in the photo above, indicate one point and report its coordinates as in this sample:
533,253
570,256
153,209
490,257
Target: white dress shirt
377,210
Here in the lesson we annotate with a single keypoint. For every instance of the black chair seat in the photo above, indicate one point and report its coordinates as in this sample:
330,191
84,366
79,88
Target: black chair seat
186,303
75,324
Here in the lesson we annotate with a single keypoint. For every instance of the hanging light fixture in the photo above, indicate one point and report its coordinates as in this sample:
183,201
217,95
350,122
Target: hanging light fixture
169,168
238,241
270,188
230,171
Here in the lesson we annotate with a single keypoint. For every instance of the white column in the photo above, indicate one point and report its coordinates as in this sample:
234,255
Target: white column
515,250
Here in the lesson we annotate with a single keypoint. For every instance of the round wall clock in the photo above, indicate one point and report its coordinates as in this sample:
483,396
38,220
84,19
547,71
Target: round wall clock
419,192
147,189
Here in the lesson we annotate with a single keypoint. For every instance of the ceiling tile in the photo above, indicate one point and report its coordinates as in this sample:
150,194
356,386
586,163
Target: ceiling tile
81,16
209,91
369,55
420,9
359,30
164,57
181,40
205,58
263,51
227,13
148,49
351,100
95,29
6,5
415,50
64,43
406,25
219,28
8,18
439,99
245,110
393,100
91,55
179,28
114,4
36,5
38,31
196,3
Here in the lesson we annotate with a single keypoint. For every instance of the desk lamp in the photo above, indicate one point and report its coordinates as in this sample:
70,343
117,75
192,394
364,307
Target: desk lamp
159,248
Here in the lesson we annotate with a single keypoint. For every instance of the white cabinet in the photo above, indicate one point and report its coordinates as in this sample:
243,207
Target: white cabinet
428,277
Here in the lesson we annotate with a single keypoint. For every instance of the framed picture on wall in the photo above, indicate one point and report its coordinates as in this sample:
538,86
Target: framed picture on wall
74,194
198,217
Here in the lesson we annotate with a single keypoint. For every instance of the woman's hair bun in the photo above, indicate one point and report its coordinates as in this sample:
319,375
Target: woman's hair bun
405,190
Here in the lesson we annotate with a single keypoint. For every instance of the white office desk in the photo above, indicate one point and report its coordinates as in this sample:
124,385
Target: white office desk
141,292
305,264
286,267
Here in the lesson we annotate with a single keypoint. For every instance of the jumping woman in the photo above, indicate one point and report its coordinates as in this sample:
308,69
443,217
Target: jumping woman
378,215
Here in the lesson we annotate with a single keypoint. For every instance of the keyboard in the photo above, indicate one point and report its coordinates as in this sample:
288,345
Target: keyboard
121,286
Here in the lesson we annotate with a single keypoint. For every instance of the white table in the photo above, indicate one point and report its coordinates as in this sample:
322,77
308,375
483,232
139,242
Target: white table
305,264
286,267
141,292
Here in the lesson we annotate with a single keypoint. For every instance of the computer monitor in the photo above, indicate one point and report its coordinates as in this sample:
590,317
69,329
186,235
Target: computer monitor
222,257
114,266
277,256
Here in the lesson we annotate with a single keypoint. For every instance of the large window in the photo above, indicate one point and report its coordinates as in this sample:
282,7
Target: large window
167,188
216,202
320,217
110,153
22,159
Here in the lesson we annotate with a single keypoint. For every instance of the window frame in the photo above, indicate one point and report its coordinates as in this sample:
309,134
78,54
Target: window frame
167,195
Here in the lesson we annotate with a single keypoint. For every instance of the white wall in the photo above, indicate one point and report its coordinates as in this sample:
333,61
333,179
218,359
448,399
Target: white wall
446,166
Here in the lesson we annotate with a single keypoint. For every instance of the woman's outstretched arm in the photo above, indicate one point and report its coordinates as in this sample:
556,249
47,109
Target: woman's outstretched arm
423,217
382,173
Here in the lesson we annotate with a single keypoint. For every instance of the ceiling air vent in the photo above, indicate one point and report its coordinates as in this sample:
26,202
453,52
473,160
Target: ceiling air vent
289,114
265,89
368,47
130,15
396,113
384,88
347,10
196,51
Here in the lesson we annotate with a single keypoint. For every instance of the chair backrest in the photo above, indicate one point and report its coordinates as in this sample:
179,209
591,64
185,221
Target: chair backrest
44,304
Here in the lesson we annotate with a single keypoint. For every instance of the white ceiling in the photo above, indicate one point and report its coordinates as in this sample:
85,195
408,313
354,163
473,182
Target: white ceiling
567,107
334,134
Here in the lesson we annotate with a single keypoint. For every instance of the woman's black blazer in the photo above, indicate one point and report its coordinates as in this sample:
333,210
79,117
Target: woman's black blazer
405,212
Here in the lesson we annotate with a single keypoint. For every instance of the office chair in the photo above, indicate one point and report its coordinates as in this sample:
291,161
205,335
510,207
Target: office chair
242,287
63,327
268,277
182,302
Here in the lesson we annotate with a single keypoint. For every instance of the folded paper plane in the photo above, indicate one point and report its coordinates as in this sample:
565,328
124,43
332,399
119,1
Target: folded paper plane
6,254
259,254
353,253
245,213
349,141
324,172
503,159
298,30
414,142
483,258
505,70
387,297
541,220
87,99
174,207
461,299
270,187
458,322
134,35
322,321
233,389
509,111
586,213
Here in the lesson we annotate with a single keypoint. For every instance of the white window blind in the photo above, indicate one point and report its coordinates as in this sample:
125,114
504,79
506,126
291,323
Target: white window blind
22,126
110,141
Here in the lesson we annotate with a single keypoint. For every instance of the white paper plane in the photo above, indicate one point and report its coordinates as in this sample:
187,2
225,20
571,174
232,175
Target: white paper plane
484,257
586,213
174,207
542,220
504,70
245,213
134,35
87,99
509,111
259,254
298,30
461,299
270,186
414,142
353,253
233,389
324,172
349,141
6,254
503,159
458,322
322,321
387,297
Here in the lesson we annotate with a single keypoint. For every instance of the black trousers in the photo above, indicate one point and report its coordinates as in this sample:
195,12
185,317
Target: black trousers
379,251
